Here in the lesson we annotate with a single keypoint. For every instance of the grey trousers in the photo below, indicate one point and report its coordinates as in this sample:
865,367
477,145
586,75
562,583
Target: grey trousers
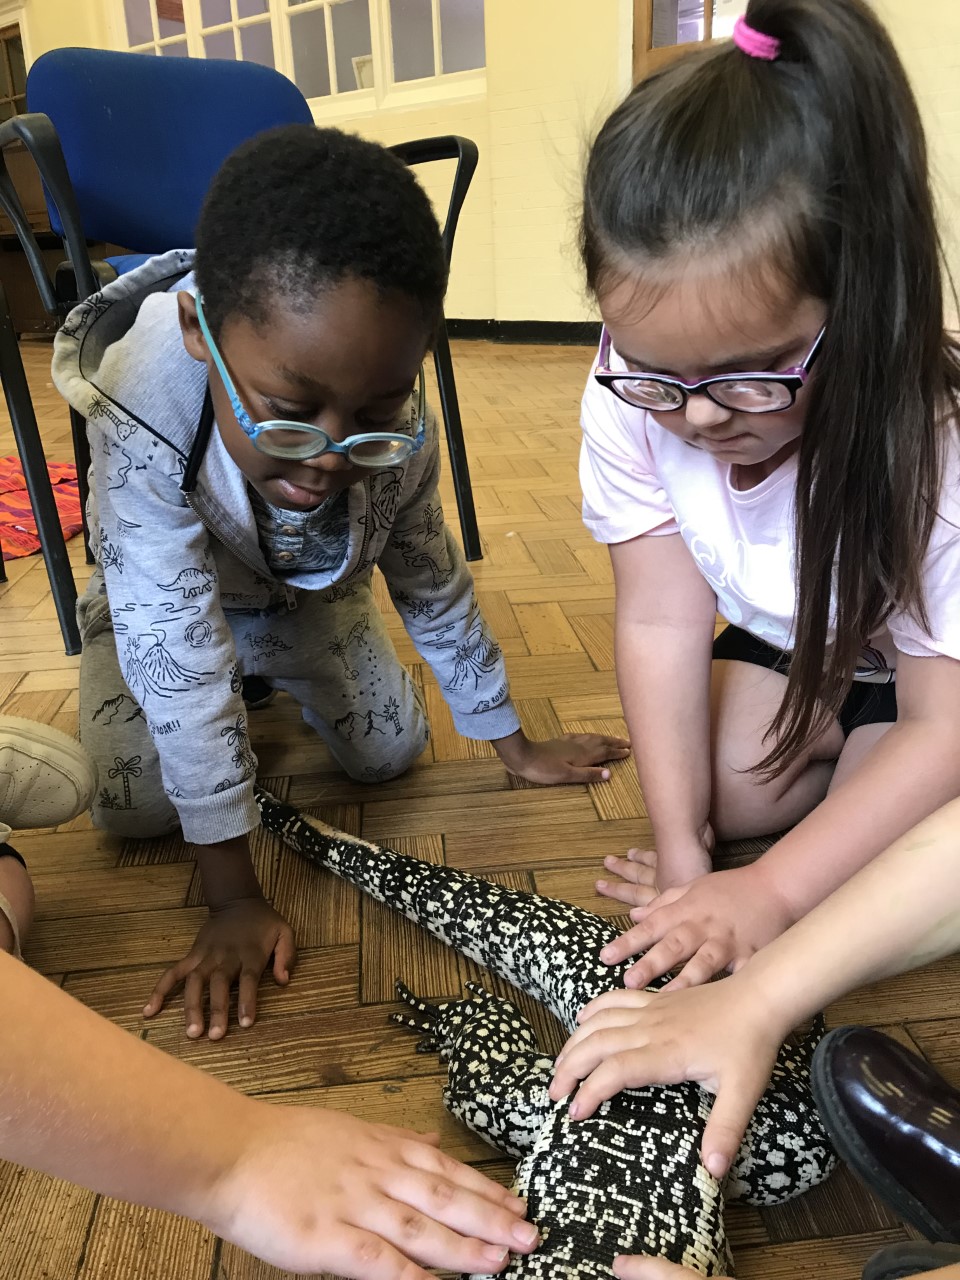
332,654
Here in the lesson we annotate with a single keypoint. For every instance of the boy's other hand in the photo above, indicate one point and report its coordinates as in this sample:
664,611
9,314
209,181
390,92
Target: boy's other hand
233,945
316,1191
574,757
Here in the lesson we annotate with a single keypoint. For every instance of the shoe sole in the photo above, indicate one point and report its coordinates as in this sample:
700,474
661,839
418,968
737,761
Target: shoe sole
854,1153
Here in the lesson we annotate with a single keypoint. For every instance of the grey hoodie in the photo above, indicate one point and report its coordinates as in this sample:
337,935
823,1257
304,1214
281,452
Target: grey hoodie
119,360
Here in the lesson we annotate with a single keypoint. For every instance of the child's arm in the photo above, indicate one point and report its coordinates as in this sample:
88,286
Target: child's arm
665,613
163,591
722,919
900,911
306,1190
433,591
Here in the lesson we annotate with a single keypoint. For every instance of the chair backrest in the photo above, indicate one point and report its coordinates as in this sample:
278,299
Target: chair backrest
143,136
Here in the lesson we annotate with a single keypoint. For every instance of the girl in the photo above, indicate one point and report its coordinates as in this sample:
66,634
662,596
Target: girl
770,431
261,442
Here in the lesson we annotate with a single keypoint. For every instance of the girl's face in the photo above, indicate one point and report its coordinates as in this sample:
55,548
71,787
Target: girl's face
702,324
348,365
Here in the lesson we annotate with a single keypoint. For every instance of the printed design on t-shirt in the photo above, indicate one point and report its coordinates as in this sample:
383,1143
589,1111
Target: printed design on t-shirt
415,608
386,489
348,726
374,774
225,784
429,526
238,738
198,634
340,645
478,655
487,704
123,471
332,594
151,669
124,770
83,315
730,598
111,553
267,646
167,609
191,582
100,407
125,526
236,679
109,709
415,557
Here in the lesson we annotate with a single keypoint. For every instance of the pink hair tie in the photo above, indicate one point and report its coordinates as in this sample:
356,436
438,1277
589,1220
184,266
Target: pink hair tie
754,43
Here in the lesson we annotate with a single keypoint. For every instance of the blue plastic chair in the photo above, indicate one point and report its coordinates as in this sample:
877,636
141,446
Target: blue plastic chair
127,145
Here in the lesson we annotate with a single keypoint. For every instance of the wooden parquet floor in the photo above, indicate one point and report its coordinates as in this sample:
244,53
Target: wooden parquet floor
111,913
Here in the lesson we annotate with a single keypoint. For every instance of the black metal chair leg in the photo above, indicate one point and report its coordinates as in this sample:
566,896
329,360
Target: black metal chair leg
30,448
459,467
81,453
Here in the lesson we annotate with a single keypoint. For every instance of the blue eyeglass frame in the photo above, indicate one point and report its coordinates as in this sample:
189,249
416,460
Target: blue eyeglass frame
792,380
324,444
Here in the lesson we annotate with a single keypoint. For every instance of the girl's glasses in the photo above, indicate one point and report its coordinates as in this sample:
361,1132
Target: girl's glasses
299,440
743,392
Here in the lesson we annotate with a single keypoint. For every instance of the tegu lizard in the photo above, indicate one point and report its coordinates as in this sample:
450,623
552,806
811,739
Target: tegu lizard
630,1178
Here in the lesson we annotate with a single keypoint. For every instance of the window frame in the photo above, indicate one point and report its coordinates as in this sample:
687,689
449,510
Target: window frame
387,93
647,59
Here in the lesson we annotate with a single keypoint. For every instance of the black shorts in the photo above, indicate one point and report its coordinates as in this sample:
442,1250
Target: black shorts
864,704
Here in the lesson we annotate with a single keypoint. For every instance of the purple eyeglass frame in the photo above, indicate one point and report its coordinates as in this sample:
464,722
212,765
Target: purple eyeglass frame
792,379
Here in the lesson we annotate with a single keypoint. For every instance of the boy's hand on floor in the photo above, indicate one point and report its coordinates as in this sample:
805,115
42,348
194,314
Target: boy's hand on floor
574,757
316,1191
235,943
715,923
725,1036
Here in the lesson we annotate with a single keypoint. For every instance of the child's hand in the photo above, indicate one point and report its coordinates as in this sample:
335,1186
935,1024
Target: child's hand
236,942
714,923
725,1036
316,1191
575,757
645,873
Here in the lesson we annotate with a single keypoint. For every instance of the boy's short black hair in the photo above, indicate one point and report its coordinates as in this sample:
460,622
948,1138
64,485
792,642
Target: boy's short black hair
297,209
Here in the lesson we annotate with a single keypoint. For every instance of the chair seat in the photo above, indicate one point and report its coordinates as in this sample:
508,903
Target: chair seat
124,262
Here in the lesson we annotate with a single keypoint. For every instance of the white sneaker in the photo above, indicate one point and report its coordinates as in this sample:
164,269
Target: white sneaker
46,777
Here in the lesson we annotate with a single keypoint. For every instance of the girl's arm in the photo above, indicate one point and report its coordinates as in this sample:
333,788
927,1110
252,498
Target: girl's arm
306,1190
722,919
665,616
900,911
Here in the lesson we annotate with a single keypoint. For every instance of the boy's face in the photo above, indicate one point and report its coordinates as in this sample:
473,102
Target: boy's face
348,365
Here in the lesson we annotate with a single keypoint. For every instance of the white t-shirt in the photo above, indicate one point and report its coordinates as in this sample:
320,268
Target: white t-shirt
638,479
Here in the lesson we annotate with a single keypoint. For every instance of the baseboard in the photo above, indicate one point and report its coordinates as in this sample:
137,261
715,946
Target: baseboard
564,333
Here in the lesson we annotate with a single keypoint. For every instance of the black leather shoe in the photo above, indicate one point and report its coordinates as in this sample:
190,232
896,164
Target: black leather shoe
911,1258
896,1122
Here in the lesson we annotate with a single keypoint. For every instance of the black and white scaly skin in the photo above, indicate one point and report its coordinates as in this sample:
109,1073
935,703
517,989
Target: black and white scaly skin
627,1180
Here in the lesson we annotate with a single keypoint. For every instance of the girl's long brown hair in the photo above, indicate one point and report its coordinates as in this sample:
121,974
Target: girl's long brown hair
826,144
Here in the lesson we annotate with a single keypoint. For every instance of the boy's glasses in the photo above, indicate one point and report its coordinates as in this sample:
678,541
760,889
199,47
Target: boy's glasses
743,392
299,440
